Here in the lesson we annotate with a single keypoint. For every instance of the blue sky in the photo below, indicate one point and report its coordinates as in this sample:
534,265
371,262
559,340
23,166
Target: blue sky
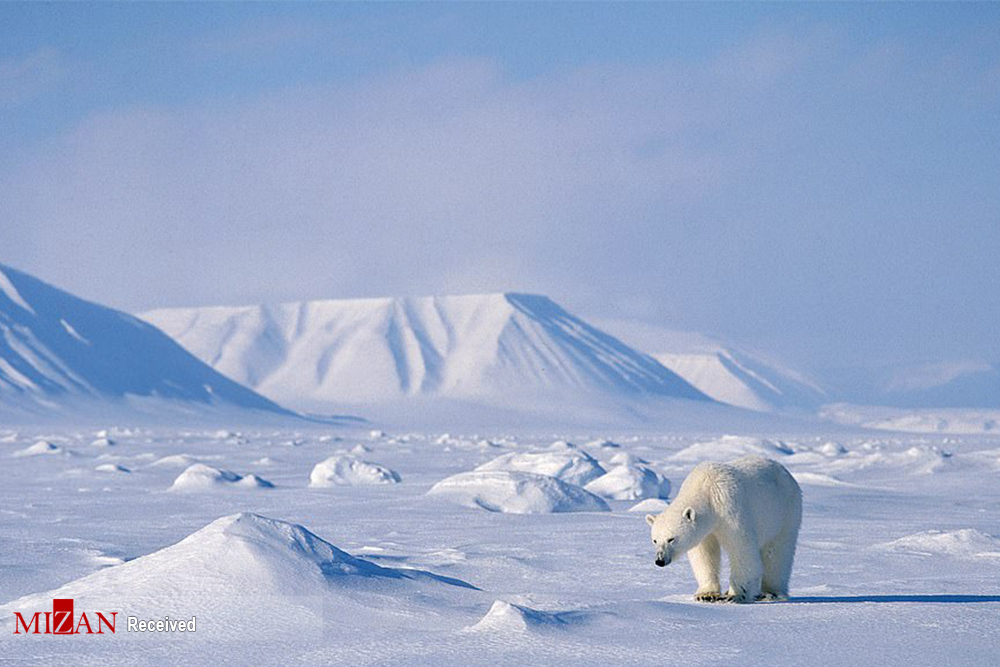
818,180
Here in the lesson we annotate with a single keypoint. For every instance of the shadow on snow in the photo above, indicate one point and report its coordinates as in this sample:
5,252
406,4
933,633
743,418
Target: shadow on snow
952,599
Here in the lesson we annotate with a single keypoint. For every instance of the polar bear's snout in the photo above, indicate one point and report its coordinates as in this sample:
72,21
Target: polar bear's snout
664,555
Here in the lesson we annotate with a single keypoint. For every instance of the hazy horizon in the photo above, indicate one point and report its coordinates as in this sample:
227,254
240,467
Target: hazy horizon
818,181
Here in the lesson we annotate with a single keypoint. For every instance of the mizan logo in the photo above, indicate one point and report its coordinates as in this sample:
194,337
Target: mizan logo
60,621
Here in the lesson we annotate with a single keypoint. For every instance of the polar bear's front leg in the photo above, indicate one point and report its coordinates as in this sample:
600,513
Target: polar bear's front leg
706,559
746,572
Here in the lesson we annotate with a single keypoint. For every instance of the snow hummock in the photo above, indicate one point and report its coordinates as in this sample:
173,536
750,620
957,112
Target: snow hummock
506,617
629,479
516,493
568,463
175,461
40,448
201,477
347,470
112,467
964,543
733,446
650,506
242,571
819,479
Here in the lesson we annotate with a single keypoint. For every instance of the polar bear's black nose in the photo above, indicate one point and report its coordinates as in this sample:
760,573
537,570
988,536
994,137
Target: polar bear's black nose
660,562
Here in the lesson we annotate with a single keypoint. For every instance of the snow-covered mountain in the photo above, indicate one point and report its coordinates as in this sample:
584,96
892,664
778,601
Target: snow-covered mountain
944,384
61,355
498,349
724,372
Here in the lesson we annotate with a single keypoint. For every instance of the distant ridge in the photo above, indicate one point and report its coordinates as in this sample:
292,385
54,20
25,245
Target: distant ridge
62,355
503,348
724,372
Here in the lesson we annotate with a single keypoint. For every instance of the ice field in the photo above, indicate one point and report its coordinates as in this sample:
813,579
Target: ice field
527,561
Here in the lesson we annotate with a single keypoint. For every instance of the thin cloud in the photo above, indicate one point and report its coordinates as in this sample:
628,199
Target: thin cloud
24,79
735,195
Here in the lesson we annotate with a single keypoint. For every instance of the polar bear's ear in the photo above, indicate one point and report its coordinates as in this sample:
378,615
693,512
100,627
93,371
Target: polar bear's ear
650,519
689,514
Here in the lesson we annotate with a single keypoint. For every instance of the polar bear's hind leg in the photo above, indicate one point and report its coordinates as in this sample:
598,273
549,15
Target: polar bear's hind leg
778,557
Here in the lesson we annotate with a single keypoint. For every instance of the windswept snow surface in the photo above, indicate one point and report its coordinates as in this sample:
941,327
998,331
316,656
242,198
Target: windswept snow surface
897,563
509,350
63,357
915,420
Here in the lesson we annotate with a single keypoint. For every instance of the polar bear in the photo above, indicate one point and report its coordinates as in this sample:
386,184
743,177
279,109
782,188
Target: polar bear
752,508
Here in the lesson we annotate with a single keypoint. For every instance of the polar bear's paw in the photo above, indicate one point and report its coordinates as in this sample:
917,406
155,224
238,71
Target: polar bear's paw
709,596
736,598
771,597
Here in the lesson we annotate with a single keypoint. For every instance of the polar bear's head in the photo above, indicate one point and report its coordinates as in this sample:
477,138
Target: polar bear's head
676,531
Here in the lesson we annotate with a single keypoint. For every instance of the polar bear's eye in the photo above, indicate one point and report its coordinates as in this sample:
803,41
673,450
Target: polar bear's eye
670,541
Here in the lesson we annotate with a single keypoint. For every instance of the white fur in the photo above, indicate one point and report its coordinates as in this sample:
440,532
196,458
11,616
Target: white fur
751,508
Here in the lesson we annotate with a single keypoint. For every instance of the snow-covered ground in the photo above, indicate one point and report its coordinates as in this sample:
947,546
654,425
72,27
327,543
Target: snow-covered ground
898,560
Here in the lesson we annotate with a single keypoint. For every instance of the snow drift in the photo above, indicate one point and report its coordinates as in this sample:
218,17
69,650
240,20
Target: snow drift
216,571
506,617
964,543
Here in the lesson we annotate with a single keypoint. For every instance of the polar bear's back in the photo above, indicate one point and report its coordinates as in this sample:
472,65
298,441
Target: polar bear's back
751,491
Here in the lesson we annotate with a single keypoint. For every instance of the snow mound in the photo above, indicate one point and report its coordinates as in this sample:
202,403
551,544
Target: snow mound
957,420
562,461
112,467
630,479
201,477
243,570
40,448
650,506
732,447
965,543
516,493
507,617
819,479
346,470
832,449
103,442
175,461
917,459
